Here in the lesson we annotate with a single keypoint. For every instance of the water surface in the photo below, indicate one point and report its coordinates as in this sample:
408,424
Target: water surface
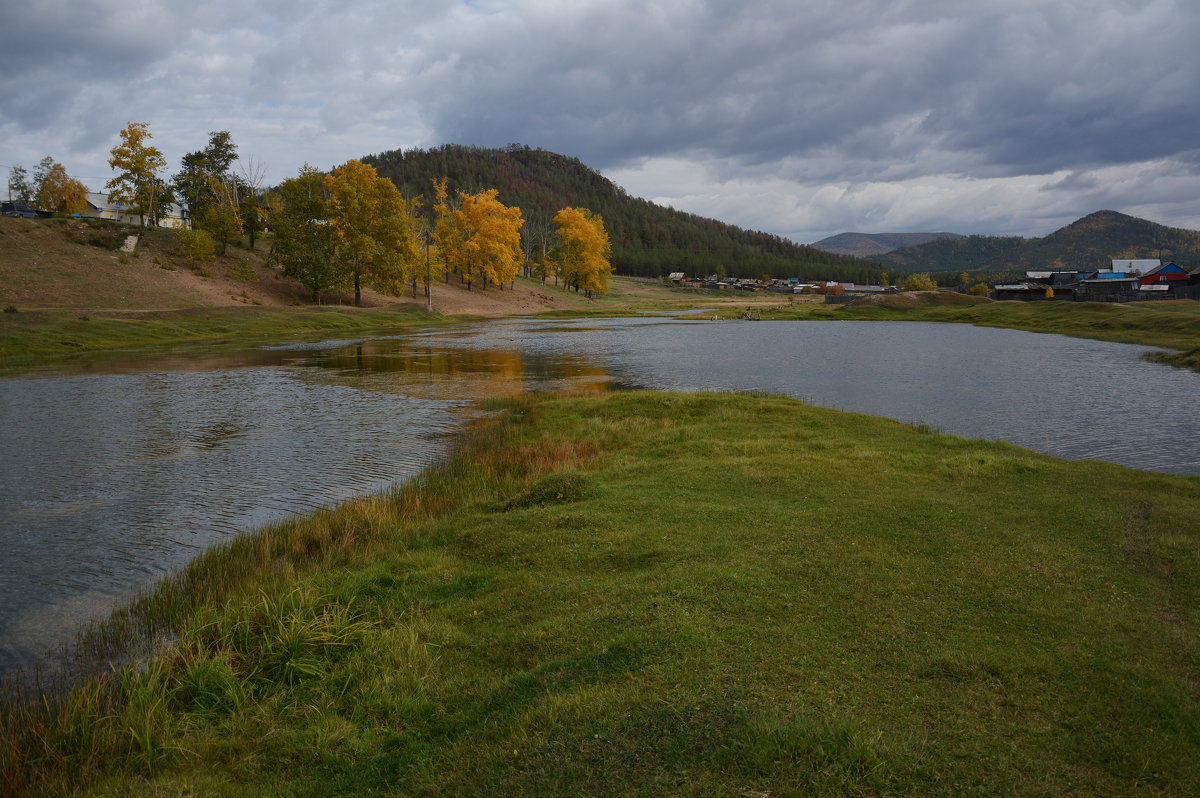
122,470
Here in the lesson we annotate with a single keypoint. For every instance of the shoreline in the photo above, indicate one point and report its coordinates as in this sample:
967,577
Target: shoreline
45,334
583,569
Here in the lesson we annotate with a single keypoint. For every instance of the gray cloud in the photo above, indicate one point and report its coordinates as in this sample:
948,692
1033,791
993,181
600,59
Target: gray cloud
993,116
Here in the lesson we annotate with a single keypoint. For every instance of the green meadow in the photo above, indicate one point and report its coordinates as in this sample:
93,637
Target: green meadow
27,337
667,594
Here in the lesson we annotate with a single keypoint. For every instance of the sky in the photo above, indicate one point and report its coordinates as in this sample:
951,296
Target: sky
803,118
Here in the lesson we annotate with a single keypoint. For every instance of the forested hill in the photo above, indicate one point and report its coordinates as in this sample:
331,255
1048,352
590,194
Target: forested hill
648,240
866,245
1085,244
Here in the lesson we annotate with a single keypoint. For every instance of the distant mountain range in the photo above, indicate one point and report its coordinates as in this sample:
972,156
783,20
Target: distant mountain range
866,245
648,240
1086,244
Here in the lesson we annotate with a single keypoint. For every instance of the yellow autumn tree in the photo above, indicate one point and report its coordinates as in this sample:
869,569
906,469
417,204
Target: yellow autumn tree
371,219
446,236
481,236
61,193
581,258
491,240
138,165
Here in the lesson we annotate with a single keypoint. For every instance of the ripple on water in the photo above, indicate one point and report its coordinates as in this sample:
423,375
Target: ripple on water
128,476
111,480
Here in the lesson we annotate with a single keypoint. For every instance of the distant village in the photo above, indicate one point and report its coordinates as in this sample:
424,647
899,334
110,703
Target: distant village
776,286
1125,281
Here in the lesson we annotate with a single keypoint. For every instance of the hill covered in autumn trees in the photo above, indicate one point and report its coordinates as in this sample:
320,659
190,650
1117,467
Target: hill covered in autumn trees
648,240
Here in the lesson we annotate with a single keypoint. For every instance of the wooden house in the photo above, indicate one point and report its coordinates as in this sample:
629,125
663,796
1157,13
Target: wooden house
1167,273
102,206
1107,286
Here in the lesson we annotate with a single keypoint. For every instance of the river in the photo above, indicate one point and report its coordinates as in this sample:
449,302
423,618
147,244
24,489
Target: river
115,471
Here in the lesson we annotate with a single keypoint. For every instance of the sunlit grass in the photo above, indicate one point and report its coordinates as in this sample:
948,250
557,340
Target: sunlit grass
669,594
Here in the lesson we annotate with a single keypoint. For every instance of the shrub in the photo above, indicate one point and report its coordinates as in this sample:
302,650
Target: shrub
557,488
196,245
10,309
104,241
919,282
243,271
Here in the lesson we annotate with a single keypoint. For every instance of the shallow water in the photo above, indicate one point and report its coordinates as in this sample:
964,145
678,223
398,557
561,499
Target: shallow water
115,474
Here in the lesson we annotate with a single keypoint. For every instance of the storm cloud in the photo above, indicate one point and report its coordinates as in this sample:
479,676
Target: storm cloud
801,118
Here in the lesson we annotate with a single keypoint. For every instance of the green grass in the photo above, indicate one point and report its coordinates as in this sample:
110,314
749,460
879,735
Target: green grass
664,594
29,336
1170,324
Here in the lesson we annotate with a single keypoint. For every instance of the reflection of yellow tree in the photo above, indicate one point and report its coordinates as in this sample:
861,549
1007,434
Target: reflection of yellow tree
458,373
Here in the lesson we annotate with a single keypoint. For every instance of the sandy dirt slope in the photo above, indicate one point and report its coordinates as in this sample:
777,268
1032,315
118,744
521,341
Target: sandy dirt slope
68,264
71,264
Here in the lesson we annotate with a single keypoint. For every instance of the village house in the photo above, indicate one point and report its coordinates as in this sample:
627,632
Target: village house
102,206
1164,274
1108,286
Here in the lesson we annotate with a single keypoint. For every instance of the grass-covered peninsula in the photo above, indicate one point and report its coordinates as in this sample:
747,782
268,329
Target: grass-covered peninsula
664,594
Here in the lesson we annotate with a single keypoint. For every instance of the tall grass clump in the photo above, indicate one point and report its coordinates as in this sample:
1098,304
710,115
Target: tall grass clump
232,624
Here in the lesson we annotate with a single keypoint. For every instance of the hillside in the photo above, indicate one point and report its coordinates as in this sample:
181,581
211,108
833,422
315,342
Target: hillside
648,240
1085,244
866,245
75,264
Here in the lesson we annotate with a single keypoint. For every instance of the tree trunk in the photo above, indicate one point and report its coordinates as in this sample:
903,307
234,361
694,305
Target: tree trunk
357,285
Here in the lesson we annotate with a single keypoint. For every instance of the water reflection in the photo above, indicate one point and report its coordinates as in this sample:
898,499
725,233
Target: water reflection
121,471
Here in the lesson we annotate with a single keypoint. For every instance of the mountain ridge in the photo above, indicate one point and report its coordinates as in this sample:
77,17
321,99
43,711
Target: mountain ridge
864,245
1086,244
648,240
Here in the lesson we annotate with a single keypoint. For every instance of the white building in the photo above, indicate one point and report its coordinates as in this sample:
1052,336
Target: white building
102,206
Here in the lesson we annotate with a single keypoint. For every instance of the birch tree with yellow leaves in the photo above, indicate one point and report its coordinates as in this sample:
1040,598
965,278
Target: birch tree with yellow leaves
582,257
371,219
138,165
482,236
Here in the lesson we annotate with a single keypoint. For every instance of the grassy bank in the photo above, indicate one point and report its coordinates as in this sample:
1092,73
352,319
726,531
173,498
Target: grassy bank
1167,324
34,334
673,594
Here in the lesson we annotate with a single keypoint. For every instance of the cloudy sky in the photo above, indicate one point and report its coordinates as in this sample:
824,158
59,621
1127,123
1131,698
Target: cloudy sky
801,117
